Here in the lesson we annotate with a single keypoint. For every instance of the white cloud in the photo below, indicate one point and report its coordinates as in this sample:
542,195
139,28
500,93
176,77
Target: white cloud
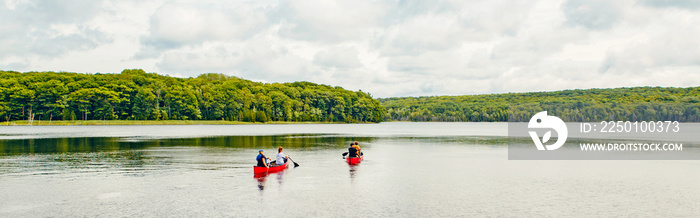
592,14
338,57
389,48
329,21
681,4
255,59
423,33
645,55
47,28
177,24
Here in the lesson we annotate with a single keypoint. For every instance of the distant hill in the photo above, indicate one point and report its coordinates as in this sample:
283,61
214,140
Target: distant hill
638,103
137,95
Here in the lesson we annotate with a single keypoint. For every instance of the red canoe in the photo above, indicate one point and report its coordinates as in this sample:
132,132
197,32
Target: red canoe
259,170
354,160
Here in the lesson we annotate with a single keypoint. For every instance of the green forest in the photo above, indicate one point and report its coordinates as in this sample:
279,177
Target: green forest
590,105
137,95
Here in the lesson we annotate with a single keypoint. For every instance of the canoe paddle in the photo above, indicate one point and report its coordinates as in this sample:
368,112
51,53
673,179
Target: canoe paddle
295,163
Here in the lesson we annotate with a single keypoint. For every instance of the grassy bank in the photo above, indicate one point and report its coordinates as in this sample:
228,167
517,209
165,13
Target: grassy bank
143,122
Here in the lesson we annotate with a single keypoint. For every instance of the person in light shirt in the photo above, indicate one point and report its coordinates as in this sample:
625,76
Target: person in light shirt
359,150
281,157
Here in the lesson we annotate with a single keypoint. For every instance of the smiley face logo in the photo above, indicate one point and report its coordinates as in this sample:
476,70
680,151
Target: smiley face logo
542,121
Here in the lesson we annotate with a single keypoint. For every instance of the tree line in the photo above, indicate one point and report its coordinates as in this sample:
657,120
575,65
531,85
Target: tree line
136,95
590,105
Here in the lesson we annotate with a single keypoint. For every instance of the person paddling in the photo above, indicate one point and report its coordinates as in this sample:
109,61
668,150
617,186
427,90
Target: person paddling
352,151
262,160
281,157
359,150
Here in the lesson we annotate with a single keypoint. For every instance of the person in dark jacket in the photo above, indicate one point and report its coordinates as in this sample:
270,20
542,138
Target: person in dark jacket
262,160
352,151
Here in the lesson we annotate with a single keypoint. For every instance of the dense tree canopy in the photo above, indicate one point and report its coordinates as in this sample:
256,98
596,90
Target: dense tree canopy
137,95
624,104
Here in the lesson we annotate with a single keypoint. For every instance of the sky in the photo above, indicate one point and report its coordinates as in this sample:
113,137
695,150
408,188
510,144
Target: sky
387,48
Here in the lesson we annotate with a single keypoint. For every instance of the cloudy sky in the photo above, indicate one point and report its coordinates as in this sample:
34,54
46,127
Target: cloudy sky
387,48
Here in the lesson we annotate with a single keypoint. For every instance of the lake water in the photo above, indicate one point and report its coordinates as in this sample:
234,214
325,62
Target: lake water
410,169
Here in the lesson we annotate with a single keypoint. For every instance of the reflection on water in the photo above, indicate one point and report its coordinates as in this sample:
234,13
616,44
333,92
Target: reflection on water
353,170
130,162
262,178
48,156
101,144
